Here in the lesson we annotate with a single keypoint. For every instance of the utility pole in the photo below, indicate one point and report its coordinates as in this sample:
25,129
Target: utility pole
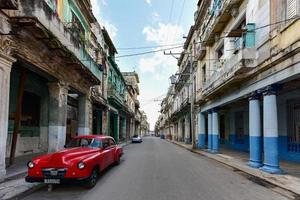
192,102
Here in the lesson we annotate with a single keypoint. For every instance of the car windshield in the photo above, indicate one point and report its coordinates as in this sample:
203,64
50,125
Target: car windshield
84,142
135,136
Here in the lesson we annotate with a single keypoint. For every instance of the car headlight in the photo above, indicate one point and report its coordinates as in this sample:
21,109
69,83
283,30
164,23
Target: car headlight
30,165
81,165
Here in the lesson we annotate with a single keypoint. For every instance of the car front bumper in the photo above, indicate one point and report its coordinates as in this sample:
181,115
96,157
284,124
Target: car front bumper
62,180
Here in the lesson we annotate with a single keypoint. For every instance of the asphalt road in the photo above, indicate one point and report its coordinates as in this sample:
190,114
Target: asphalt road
159,170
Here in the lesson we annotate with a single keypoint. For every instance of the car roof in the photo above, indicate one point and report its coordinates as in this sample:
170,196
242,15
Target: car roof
93,136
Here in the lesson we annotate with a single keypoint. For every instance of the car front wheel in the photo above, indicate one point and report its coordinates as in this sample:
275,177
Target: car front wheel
93,179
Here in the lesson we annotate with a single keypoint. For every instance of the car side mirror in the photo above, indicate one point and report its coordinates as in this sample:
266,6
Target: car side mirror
105,146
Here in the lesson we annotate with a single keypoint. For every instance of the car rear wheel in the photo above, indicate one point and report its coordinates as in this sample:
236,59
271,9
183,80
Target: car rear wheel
93,179
118,160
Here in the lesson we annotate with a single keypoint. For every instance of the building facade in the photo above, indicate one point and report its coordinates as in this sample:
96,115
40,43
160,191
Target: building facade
50,63
245,80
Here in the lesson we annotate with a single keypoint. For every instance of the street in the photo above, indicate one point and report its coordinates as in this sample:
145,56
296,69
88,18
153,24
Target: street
157,169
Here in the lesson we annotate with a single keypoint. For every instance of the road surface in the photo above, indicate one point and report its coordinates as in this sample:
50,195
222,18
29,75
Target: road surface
159,170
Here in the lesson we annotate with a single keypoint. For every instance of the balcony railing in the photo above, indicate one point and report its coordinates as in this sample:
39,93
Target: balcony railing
43,17
114,93
200,51
241,61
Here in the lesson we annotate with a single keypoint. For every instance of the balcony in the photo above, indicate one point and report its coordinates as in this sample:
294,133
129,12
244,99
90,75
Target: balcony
38,18
232,69
200,51
114,95
216,18
243,61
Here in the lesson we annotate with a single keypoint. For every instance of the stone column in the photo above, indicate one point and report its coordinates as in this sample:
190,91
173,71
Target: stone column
123,128
116,127
201,136
104,130
44,122
58,97
187,124
180,130
215,131
255,140
209,145
5,69
84,106
271,157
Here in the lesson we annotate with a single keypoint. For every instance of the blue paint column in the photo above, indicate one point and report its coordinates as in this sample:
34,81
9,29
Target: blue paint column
215,132
271,159
209,144
201,136
255,138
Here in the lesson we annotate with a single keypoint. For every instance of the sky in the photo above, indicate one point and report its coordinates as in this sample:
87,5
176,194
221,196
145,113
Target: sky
147,23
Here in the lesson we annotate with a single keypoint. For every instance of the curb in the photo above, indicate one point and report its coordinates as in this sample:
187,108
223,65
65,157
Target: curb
27,192
293,194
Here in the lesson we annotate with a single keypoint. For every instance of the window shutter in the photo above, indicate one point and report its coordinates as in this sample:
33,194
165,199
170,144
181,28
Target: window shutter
292,8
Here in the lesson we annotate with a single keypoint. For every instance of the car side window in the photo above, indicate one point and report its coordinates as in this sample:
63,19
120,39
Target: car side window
105,143
111,142
96,143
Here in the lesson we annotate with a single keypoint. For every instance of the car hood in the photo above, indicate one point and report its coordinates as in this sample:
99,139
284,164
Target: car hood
65,157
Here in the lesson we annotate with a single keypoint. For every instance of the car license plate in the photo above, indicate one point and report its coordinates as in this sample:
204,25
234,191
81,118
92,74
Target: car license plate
52,181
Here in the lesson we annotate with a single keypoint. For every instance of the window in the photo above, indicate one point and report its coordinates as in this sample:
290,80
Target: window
111,142
292,8
294,122
239,125
204,74
105,143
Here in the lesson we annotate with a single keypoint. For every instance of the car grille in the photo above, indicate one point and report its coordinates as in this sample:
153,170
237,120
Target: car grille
54,173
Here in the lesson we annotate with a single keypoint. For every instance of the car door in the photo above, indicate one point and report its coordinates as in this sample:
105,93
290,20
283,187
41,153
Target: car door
106,153
112,145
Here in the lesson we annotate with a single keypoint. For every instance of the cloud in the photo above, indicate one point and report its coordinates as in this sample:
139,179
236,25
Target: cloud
148,2
158,65
163,34
155,17
110,27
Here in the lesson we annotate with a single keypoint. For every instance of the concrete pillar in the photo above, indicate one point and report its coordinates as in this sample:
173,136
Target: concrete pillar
255,136
44,122
201,136
84,107
271,157
58,97
123,128
180,131
5,69
215,131
209,145
187,124
116,127
104,122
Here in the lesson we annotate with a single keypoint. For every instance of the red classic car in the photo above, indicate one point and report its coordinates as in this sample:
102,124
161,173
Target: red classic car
80,162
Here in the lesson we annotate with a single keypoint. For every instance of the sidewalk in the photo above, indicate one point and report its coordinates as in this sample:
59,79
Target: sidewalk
238,161
14,184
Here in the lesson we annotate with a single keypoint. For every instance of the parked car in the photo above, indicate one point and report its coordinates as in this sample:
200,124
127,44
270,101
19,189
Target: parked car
80,162
136,139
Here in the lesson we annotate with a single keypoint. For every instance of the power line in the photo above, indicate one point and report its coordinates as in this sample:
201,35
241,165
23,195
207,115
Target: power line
148,52
176,47
149,47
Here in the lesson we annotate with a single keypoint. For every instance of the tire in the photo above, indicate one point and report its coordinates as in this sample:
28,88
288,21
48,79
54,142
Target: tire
118,160
92,179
